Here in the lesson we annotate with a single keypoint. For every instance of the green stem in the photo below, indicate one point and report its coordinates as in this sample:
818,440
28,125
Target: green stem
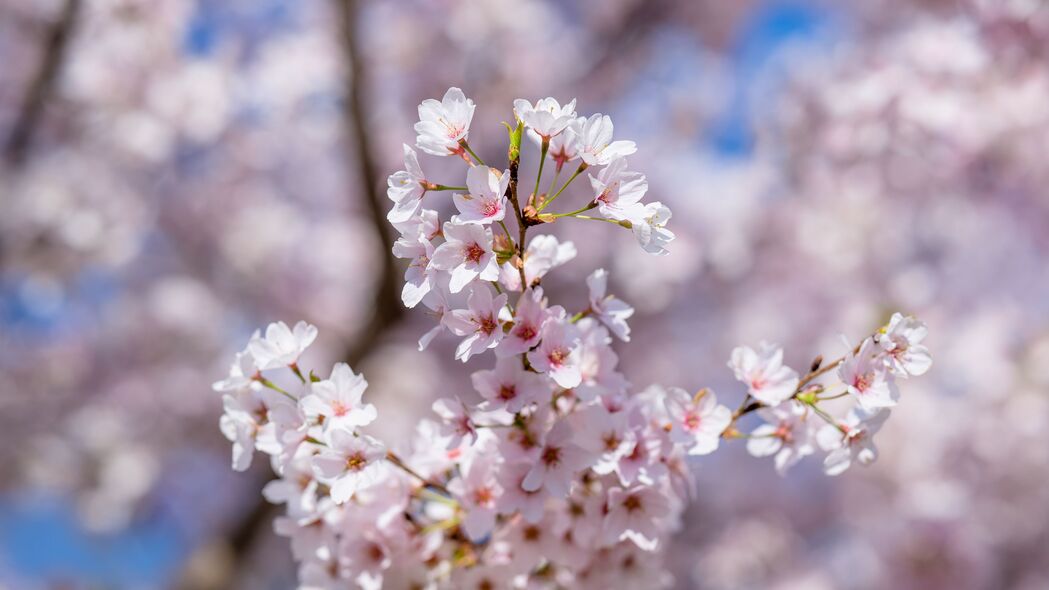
445,187
466,146
553,181
503,224
298,373
542,160
588,207
827,417
267,383
577,172
596,219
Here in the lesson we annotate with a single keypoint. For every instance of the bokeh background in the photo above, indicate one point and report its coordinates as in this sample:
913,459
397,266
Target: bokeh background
177,173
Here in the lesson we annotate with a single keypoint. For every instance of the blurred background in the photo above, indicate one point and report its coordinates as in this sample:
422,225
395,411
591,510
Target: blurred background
177,173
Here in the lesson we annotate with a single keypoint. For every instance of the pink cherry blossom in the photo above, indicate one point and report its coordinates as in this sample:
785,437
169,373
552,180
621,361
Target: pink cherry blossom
443,124
348,463
486,201
767,379
467,253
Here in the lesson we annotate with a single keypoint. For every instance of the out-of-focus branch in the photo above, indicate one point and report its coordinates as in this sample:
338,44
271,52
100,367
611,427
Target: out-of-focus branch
42,85
387,308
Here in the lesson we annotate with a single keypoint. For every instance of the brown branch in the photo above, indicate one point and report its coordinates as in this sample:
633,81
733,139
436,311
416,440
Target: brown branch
42,85
387,307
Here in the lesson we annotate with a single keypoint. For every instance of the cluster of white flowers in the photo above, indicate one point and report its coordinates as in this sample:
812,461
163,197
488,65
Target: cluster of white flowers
564,475
795,425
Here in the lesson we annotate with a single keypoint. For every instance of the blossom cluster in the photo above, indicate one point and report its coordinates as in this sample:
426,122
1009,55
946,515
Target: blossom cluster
562,474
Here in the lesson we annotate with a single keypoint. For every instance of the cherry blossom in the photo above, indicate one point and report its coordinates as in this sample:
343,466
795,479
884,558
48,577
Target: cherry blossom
529,316
241,372
596,145
559,460
563,473
348,463
788,434
901,340
618,193
547,117
338,400
634,514
281,346
467,253
610,310
510,386
650,230
442,125
768,380
456,421
486,201
406,188
697,421
480,490
544,253
557,354
852,440
565,146
868,379
480,323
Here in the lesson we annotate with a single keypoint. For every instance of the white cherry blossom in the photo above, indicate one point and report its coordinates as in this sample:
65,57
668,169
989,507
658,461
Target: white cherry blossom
442,125
788,434
529,316
596,145
767,379
651,231
509,386
901,341
467,254
618,192
406,188
558,352
696,421
852,440
559,460
868,379
456,423
547,117
281,346
634,514
486,201
338,400
348,463
480,323
611,311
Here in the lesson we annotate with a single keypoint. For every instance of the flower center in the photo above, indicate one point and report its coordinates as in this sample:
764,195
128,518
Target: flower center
531,533
356,462
525,332
339,409
692,421
863,382
507,392
632,503
486,325
490,208
557,356
551,456
483,496
473,253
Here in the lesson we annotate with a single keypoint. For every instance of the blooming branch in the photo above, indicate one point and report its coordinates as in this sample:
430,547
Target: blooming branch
564,471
